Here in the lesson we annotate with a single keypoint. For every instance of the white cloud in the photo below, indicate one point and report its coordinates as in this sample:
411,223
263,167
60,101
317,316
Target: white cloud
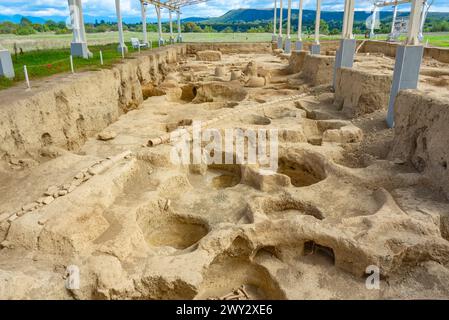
131,8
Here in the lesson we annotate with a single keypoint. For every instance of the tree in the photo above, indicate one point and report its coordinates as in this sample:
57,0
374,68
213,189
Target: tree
228,30
334,31
191,27
24,22
324,27
208,29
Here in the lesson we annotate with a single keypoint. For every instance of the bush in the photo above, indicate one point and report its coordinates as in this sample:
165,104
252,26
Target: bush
26,30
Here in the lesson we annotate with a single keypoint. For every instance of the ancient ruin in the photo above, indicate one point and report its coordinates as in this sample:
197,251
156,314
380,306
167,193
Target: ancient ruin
89,186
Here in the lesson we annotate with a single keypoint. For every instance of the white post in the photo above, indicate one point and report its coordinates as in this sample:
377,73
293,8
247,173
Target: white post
178,15
27,79
171,26
414,23
123,52
121,39
424,10
274,20
159,24
395,12
81,21
348,20
373,22
317,22
101,57
143,9
289,12
280,18
74,20
300,21
71,64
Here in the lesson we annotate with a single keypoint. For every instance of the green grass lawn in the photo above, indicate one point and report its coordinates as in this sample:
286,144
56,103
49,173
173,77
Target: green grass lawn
42,63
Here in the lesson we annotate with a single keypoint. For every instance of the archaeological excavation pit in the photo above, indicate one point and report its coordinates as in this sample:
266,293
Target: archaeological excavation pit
172,230
302,173
90,176
216,176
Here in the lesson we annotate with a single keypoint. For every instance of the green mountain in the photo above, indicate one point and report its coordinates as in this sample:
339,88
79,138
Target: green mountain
265,15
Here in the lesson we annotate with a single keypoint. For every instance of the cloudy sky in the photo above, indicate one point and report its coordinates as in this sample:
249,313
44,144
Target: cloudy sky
130,8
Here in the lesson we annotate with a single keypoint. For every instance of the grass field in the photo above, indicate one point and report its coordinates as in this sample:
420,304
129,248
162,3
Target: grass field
42,63
51,41
48,54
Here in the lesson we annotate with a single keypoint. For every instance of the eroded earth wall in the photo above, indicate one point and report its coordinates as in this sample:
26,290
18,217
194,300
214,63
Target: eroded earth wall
422,134
389,49
229,47
65,112
359,92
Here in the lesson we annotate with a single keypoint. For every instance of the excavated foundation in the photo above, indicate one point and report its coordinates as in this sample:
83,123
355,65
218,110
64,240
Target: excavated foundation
92,179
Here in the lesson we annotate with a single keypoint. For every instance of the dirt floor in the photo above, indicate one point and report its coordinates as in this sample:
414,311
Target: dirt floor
138,226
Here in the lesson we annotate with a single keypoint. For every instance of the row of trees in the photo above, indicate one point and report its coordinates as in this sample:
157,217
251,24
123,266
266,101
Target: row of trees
26,27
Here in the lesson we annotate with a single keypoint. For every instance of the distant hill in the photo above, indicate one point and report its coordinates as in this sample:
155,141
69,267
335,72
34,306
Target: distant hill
254,15
194,19
17,17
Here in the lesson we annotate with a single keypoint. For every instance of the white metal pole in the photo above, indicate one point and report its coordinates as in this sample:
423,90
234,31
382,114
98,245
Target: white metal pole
178,15
395,12
159,24
300,20
280,18
101,57
414,23
74,20
424,10
289,11
171,25
144,22
120,26
274,18
373,22
123,52
317,22
71,64
81,21
348,21
27,79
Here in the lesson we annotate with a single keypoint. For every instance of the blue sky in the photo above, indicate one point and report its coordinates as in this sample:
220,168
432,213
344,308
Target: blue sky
130,8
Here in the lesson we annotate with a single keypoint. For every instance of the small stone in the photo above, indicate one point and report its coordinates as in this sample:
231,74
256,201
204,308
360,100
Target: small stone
167,204
66,186
20,213
107,135
62,192
29,206
6,244
13,217
77,182
49,200
87,176
79,176
40,200
51,190
398,161
56,195
42,222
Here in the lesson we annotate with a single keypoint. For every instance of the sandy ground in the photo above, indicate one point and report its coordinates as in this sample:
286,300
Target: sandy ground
140,227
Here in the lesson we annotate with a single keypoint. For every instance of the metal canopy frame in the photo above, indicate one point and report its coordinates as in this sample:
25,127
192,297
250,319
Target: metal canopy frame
171,6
